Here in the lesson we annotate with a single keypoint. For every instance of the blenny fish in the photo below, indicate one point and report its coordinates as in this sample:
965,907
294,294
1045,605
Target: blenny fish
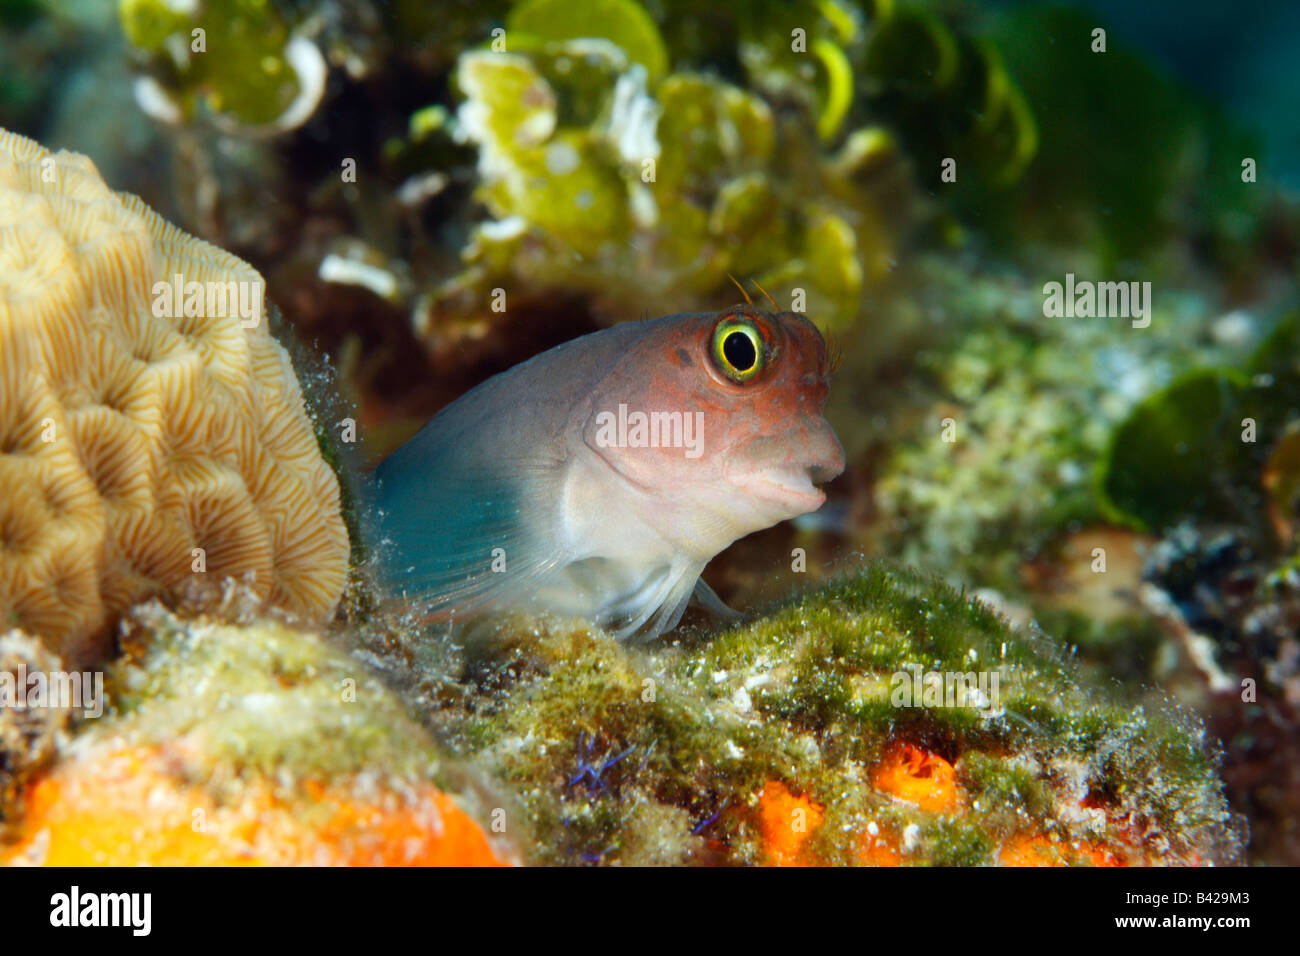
597,479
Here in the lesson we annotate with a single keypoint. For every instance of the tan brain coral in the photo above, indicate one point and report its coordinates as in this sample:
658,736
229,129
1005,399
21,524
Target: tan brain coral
128,439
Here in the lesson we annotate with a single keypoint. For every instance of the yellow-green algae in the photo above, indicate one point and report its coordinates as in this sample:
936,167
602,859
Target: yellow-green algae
595,180
622,22
234,67
607,159
802,695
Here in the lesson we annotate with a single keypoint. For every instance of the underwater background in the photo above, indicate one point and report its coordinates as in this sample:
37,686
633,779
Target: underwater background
1119,494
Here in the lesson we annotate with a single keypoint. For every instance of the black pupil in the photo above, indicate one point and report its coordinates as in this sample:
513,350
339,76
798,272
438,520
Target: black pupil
739,350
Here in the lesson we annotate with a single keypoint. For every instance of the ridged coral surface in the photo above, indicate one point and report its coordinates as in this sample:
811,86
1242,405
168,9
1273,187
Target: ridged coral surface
141,451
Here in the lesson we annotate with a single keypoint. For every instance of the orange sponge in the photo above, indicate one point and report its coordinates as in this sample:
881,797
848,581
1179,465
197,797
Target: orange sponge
919,777
131,806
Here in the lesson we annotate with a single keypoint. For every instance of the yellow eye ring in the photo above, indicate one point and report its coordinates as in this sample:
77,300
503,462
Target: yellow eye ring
737,349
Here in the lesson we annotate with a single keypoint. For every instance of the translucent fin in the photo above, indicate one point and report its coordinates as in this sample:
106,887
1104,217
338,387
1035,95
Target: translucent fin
663,612
710,601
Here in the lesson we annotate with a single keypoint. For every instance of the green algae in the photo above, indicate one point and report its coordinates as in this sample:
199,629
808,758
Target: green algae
224,56
1199,447
1155,473
623,23
690,181
1136,150
606,159
951,96
684,175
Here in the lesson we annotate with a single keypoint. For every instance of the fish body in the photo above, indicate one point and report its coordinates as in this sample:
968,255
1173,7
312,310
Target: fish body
597,479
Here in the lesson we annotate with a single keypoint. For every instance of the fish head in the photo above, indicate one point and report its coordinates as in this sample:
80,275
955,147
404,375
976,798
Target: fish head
751,387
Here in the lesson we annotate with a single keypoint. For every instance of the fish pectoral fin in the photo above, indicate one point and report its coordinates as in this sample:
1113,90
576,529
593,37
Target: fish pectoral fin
661,608
709,600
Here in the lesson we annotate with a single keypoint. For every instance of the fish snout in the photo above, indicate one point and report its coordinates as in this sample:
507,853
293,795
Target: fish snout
825,453
784,470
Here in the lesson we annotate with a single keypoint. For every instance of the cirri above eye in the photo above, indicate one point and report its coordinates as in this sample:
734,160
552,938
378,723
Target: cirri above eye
737,349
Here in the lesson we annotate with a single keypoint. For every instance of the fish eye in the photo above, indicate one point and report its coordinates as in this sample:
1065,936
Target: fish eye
737,349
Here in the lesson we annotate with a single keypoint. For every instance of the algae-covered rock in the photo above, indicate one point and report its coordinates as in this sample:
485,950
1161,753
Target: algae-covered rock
798,738
810,735
997,439
248,743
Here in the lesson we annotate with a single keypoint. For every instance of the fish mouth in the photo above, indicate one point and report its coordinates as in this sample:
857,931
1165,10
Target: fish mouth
791,487
773,471
795,487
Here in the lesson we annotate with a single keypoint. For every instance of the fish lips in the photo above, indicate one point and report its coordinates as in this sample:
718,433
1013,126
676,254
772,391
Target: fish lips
785,470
